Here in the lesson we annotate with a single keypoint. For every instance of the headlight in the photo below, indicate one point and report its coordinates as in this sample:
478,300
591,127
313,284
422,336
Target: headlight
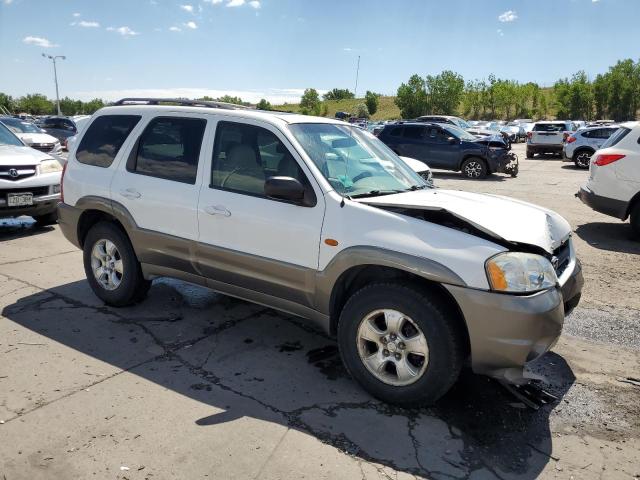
50,166
520,272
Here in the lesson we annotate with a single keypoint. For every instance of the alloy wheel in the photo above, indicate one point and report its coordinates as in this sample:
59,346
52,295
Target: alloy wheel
583,159
473,170
106,264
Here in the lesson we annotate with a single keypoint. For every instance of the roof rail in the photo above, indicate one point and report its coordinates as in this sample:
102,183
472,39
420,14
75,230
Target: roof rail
181,102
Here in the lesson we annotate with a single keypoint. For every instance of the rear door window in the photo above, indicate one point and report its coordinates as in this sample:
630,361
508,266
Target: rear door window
413,132
169,148
104,138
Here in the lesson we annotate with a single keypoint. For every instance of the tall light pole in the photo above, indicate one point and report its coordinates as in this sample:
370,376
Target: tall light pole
355,90
55,76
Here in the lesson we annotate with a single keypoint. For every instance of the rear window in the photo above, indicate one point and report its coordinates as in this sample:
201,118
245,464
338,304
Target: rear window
549,127
616,137
104,138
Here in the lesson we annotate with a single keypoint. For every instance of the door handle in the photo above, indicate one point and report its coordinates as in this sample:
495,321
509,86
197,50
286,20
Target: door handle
131,193
217,210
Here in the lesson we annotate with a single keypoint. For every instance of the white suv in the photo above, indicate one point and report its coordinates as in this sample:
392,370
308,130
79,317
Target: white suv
314,217
581,145
614,178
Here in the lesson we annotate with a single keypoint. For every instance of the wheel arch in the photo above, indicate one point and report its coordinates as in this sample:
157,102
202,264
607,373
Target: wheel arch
467,156
635,200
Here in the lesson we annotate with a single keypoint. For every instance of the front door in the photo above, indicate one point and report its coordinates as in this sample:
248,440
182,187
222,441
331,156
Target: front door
245,238
442,153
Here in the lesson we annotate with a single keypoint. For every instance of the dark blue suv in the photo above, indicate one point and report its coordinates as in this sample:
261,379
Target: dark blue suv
448,147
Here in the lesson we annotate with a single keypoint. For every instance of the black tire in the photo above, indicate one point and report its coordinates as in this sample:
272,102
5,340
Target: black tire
474,168
634,218
582,158
445,345
48,219
530,154
132,287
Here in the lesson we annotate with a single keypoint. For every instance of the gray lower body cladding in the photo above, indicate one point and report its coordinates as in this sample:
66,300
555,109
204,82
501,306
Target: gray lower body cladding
608,206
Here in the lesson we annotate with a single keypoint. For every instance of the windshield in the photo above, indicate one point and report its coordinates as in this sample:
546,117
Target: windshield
462,123
20,126
355,163
8,138
549,127
458,132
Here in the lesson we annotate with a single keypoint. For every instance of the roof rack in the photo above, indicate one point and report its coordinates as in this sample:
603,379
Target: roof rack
181,102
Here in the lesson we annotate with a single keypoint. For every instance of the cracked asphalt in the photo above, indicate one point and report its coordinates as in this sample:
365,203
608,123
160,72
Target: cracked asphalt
192,384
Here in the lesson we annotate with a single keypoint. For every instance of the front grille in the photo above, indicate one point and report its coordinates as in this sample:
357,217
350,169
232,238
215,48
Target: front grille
37,191
43,147
561,258
16,172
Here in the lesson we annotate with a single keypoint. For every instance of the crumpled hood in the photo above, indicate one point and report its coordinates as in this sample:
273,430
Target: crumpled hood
16,156
30,138
507,218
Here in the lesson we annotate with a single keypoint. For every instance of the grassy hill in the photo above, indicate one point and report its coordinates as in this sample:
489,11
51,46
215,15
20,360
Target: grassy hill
387,110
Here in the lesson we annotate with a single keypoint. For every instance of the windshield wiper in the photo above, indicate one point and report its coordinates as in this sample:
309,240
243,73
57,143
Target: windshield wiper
375,193
413,188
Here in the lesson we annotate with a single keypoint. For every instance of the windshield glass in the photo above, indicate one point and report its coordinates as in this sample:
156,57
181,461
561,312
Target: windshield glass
20,126
462,123
549,127
354,162
458,132
8,138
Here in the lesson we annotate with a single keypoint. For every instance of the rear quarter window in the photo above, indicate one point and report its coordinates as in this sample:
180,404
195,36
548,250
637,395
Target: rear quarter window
104,138
616,137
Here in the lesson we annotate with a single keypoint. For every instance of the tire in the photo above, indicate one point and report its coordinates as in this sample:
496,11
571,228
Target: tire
582,158
117,287
48,219
530,154
474,168
634,218
444,346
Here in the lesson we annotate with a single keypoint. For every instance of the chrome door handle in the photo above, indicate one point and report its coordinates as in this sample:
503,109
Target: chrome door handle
130,193
217,210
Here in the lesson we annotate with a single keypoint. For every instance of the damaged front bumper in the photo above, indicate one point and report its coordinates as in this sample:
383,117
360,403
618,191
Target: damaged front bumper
507,331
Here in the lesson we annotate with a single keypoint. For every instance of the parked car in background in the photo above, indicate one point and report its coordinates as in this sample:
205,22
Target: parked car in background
314,217
523,120
582,144
548,137
614,178
515,131
445,146
60,127
29,180
32,135
420,168
81,122
450,119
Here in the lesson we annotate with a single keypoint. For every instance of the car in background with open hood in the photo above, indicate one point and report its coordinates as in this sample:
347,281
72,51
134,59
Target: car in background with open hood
32,135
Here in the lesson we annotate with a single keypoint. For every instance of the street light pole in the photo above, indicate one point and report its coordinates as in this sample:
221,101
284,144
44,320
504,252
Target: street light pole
355,90
55,76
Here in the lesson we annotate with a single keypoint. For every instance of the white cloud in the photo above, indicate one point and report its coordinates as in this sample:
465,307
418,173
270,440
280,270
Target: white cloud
255,4
191,25
175,29
347,49
213,2
235,3
500,32
39,42
508,16
124,31
76,14
274,95
7,2
187,8
85,24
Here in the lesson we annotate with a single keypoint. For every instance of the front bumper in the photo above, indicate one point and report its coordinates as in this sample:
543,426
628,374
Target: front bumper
507,331
608,206
42,205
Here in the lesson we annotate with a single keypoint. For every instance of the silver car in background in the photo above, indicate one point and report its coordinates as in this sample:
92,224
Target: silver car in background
581,145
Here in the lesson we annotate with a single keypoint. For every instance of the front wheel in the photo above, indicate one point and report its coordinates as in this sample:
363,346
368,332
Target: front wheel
635,219
111,266
474,168
399,345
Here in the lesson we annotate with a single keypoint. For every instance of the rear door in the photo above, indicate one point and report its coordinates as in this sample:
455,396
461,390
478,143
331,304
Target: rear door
414,144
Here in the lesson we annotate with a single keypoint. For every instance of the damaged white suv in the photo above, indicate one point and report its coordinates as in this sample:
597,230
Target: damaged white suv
313,217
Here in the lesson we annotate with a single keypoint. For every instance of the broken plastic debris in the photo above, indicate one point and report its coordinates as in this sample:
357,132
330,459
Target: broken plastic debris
123,468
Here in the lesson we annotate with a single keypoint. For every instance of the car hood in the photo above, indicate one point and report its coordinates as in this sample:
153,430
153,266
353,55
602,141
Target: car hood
501,217
30,138
17,156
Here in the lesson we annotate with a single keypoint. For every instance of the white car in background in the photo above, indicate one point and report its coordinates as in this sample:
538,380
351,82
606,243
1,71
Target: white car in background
582,144
420,168
614,178
32,135
29,180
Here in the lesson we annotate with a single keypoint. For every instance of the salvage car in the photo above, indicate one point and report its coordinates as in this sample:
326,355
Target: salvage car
29,180
314,217
445,146
614,177
32,135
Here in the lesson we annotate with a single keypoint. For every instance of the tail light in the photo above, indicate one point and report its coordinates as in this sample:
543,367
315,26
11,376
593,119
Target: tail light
64,169
565,135
605,159
571,139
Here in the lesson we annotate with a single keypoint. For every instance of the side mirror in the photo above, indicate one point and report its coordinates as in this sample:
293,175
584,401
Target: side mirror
452,140
285,188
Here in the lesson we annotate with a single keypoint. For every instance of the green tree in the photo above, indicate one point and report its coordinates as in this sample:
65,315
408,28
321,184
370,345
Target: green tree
338,94
36,104
92,106
325,109
230,99
70,107
371,100
362,111
263,105
411,97
310,102
6,102
444,92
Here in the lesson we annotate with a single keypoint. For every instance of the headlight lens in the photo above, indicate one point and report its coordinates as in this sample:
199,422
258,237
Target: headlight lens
519,272
50,166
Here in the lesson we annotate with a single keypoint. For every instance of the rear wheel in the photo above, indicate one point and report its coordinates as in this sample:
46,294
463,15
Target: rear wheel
530,153
111,266
582,158
635,219
399,345
474,167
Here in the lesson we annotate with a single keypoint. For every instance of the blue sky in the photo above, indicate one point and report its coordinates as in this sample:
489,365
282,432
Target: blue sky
276,48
